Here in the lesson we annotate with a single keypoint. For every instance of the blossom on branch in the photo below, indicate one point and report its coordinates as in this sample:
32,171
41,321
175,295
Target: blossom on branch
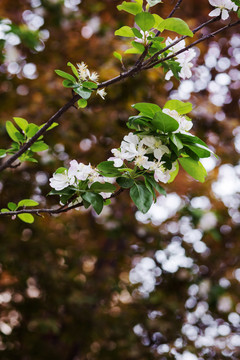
222,8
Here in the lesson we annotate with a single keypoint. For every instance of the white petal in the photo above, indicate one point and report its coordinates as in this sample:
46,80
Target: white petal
215,12
225,14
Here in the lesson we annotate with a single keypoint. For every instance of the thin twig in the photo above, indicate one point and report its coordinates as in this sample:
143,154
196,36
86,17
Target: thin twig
59,210
203,38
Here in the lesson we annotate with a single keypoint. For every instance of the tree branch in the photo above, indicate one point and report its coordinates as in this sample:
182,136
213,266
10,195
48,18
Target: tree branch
59,210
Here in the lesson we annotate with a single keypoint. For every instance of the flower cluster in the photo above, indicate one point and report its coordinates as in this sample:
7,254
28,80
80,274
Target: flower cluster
145,152
76,173
85,75
222,8
184,59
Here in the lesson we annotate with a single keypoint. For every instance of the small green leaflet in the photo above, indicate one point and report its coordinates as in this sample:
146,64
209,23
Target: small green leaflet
107,168
164,122
74,69
174,173
65,75
84,93
39,146
193,168
141,197
82,103
12,206
12,131
155,185
147,109
181,107
3,153
27,202
130,7
22,123
125,31
145,21
99,187
117,56
177,25
27,218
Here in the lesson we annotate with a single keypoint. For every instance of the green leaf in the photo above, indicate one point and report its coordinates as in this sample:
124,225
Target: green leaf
27,202
124,182
125,31
74,69
4,210
237,2
193,168
199,151
31,130
117,56
164,122
3,153
27,218
39,146
107,168
174,173
22,123
181,107
176,141
12,131
60,170
95,200
238,13
89,85
145,20
12,206
147,109
69,84
137,33
141,197
130,7
84,93
177,25
51,127
138,46
156,185
65,75
82,103
158,21
132,50
106,187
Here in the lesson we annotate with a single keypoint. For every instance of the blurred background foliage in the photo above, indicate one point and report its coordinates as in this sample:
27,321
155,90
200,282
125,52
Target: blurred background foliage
121,285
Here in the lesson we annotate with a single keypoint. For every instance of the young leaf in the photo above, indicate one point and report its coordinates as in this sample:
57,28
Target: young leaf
117,56
69,84
27,218
65,75
130,7
84,93
137,33
174,173
3,153
39,146
181,107
12,206
147,109
164,122
27,202
193,168
12,131
74,69
95,200
22,123
177,25
82,103
141,197
176,141
199,151
31,130
145,20
124,182
89,85
99,187
125,31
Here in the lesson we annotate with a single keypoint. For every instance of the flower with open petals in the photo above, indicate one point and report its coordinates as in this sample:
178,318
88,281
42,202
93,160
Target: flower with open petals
222,8
102,93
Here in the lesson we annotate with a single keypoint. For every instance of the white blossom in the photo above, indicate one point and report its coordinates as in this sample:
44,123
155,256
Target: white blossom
60,181
80,170
153,2
222,8
184,58
102,93
83,71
